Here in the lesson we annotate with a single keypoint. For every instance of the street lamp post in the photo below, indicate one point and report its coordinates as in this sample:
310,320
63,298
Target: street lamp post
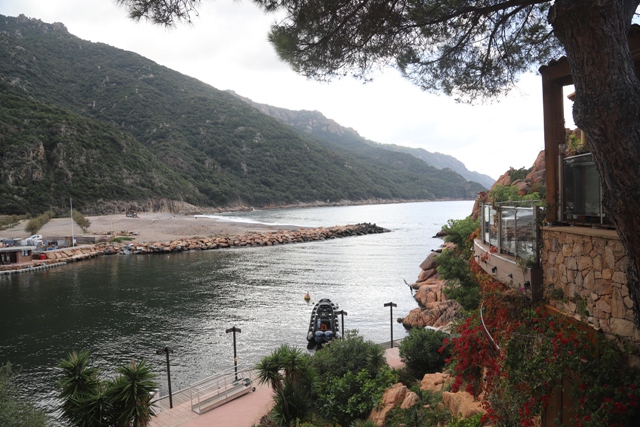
342,313
167,350
235,353
391,305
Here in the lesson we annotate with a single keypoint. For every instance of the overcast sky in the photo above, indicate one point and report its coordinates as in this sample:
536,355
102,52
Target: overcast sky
226,46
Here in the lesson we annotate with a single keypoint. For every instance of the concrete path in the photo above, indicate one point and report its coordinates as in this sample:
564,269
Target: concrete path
244,411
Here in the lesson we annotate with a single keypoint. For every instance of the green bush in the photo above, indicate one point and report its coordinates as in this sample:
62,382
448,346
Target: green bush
351,354
420,351
430,412
352,396
352,376
9,221
475,421
15,411
506,193
517,174
79,219
461,284
35,224
459,231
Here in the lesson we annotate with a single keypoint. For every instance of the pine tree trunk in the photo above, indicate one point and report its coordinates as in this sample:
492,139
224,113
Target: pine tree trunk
607,108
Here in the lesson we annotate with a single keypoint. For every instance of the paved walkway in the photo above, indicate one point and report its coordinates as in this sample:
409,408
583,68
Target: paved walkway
244,411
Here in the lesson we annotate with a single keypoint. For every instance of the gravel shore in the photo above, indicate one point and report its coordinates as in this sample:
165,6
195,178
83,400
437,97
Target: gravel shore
147,227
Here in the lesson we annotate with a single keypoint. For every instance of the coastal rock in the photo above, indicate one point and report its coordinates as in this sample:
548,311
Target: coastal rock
426,274
437,315
415,319
435,381
462,404
391,398
429,262
429,294
504,179
537,174
410,399
523,186
434,308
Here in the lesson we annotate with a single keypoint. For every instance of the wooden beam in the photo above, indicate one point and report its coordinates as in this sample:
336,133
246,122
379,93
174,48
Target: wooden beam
553,112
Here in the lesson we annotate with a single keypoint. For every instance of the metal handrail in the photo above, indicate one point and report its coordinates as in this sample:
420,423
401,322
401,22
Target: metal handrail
485,327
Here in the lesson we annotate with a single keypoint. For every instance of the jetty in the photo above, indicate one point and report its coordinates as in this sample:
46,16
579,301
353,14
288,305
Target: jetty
57,257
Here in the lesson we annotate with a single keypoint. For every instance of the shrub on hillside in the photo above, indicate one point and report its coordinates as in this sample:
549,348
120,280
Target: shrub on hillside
458,231
420,351
461,284
352,376
351,354
352,396
9,221
79,219
35,224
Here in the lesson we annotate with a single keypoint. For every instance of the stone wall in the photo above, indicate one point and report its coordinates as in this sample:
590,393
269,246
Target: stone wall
589,267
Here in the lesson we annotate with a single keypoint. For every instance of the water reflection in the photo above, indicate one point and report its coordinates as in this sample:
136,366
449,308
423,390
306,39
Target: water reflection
123,307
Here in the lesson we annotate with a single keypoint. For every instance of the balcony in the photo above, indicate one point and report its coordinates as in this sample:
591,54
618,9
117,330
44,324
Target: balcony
508,244
581,195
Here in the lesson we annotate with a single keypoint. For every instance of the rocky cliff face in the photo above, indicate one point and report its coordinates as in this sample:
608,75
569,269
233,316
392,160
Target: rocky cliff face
434,309
534,181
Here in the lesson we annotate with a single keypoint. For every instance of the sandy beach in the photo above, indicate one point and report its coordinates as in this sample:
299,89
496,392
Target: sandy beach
147,227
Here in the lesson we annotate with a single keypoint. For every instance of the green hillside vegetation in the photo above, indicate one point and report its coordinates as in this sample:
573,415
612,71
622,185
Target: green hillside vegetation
49,154
100,124
442,161
329,133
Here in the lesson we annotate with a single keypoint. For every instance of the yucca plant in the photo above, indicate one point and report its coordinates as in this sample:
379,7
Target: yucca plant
79,386
288,371
130,395
89,402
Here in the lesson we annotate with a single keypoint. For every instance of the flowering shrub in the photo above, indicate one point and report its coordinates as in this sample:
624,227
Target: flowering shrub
530,352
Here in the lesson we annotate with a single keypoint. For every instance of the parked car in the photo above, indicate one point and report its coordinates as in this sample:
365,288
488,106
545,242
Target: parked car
35,240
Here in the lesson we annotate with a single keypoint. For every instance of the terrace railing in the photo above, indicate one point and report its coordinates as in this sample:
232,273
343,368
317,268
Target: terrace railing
511,228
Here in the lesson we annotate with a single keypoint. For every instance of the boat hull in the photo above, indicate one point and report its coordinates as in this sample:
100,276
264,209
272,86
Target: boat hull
323,325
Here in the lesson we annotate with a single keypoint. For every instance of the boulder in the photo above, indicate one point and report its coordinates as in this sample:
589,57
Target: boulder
415,319
410,399
391,398
426,274
427,294
505,179
537,174
523,186
435,381
437,315
462,404
430,262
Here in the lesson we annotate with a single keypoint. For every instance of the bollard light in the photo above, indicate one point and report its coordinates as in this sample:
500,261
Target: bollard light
235,353
167,350
391,305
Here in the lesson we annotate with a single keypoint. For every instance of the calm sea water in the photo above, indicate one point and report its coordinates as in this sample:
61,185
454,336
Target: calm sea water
125,307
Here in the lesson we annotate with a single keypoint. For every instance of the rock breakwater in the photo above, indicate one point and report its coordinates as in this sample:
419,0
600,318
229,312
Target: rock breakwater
281,237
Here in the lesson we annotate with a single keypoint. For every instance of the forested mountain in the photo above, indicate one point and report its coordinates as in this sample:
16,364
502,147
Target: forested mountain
327,131
441,161
104,125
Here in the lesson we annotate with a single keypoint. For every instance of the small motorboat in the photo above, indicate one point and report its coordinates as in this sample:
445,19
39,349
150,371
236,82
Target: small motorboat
323,326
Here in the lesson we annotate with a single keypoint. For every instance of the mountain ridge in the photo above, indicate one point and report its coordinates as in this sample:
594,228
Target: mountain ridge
307,120
179,138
